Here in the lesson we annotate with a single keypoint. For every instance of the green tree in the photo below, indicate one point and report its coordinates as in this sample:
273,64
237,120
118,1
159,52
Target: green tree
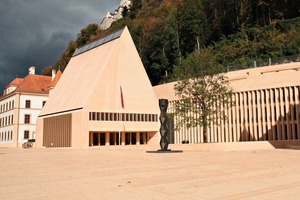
47,71
85,34
193,28
171,43
166,31
136,8
203,92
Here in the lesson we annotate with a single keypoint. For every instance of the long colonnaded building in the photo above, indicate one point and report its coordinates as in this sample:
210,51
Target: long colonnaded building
266,108
104,97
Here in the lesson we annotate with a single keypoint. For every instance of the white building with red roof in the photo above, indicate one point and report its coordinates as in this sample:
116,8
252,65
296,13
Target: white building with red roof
20,105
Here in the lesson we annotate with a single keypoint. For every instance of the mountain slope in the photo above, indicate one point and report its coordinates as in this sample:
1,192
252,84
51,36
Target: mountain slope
166,31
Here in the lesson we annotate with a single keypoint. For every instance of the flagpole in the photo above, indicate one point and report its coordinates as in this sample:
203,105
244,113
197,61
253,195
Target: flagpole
120,114
119,118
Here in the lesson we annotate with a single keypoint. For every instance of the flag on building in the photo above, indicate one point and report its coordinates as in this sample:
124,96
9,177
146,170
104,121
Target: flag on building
122,99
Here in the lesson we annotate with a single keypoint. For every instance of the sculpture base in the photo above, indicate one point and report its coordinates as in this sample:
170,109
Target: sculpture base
165,151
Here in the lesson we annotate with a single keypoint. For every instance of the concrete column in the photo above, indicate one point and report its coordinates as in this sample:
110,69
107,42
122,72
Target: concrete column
297,92
130,139
250,106
287,112
107,139
278,123
123,138
265,131
234,117
254,116
91,139
272,108
138,138
209,131
215,137
99,135
246,120
268,106
259,122
223,138
238,124
283,137
292,108
219,136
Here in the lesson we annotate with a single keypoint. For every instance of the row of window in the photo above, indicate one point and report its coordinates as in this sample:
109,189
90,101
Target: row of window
6,136
136,117
9,120
6,121
7,106
28,103
10,105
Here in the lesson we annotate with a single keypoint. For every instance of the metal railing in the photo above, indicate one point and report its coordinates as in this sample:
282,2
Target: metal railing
264,62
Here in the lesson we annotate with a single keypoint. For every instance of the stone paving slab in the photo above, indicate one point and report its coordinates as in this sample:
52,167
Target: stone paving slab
129,173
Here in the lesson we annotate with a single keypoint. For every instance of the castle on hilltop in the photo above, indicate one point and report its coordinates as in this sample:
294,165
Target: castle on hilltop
116,15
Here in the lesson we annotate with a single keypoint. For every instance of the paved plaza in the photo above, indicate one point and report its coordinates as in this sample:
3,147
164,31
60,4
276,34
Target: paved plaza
131,173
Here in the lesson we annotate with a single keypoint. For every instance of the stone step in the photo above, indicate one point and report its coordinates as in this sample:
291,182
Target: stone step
295,146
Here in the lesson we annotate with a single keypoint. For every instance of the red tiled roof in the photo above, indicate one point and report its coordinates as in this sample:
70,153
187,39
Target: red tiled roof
35,84
56,79
16,82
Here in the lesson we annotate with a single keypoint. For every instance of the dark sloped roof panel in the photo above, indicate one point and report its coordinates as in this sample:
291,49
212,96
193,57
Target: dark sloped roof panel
98,42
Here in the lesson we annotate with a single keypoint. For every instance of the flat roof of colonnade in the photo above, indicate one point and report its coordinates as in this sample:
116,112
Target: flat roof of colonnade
275,76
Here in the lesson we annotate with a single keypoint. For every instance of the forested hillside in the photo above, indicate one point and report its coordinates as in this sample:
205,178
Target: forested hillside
227,32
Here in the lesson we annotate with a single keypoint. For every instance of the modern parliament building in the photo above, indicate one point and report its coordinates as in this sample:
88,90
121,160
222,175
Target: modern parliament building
104,97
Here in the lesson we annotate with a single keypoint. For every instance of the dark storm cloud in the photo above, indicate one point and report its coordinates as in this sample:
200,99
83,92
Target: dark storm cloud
36,32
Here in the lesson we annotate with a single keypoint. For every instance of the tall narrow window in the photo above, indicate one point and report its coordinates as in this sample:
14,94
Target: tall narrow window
27,119
26,134
27,104
43,104
142,117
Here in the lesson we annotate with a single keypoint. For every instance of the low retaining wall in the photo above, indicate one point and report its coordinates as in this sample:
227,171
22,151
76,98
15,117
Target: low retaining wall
235,146
238,146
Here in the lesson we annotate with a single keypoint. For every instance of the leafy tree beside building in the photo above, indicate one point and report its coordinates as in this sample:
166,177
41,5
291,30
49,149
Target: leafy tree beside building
204,95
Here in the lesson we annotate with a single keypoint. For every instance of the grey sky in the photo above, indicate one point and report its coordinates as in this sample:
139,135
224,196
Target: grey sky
36,32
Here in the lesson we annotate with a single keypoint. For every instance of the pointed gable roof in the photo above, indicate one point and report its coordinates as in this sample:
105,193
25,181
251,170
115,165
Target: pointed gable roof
56,79
94,74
